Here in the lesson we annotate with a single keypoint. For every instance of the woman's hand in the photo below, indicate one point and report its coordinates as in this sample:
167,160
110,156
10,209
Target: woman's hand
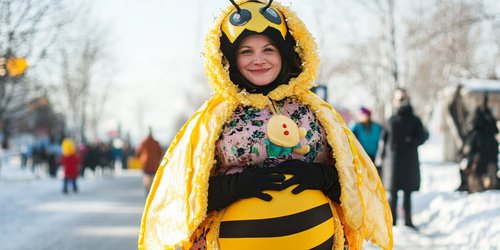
253,182
226,189
313,176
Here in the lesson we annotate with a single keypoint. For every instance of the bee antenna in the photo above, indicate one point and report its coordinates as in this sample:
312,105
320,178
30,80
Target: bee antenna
238,9
267,6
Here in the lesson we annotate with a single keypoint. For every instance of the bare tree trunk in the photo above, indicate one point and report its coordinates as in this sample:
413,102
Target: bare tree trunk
441,42
439,45
85,77
27,29
393,51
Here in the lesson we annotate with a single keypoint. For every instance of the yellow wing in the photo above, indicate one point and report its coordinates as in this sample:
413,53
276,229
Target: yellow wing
177,201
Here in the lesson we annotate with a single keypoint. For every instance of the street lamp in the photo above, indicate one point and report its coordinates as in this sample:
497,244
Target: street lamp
12,66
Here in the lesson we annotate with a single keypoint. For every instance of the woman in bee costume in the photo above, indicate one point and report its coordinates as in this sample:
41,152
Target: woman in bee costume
264,163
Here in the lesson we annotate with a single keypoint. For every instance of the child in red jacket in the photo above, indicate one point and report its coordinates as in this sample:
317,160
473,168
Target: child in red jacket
71,164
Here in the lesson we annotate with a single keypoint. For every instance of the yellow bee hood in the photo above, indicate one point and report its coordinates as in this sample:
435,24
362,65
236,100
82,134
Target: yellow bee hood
177,202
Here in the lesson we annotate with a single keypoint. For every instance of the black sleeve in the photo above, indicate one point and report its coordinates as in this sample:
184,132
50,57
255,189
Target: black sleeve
226,189
331,182
419,134
219,195
382,143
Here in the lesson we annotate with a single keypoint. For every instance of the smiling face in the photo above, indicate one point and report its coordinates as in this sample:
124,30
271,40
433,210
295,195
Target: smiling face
258,60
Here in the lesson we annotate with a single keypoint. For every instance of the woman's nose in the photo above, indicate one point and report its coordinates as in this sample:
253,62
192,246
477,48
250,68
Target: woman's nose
258,59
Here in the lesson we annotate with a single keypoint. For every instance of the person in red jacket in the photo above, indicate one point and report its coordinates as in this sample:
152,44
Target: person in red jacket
149,154
71,164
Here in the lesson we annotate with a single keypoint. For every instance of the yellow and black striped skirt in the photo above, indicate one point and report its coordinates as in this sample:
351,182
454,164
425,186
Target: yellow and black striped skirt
288,221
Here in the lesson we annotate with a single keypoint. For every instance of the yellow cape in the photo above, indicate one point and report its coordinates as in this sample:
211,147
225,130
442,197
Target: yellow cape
177,202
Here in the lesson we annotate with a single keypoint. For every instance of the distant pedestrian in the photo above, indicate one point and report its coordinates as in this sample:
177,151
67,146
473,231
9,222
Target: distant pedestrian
39,155
70,161
481,150
25,155
149,153
368,133
105,158
53,153
401,167
90,158
117,153
127,152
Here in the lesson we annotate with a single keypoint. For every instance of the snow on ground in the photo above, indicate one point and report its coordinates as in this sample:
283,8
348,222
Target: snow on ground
34,214
445,218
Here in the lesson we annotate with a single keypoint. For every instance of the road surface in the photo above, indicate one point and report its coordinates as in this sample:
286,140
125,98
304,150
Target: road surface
105,214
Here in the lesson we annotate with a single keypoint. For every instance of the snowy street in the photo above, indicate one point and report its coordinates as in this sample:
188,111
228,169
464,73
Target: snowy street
105,214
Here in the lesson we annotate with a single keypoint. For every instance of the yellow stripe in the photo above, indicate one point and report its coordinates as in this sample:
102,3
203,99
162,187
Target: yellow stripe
283,203
303,240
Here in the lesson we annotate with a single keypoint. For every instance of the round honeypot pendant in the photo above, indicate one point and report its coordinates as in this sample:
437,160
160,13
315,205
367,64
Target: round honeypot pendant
283,131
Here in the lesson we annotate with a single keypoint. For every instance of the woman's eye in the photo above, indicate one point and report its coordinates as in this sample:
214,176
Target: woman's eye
269,50
245,52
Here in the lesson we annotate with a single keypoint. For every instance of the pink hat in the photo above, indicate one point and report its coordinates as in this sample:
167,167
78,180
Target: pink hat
364,110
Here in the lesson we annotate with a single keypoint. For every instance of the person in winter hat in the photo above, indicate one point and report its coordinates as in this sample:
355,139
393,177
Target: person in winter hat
368,133
70,161
481,150
261,148
402,136
149,152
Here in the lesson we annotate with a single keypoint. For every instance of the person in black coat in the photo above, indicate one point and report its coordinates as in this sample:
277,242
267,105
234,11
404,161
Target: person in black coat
403,134
481,150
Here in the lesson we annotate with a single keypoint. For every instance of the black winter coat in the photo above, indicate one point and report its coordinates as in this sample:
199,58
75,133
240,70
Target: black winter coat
402,136
481,147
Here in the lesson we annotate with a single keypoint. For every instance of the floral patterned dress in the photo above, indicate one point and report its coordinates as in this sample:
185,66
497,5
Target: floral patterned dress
242,141
242,144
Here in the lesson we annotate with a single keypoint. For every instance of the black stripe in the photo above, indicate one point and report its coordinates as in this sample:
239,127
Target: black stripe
327,245
275,227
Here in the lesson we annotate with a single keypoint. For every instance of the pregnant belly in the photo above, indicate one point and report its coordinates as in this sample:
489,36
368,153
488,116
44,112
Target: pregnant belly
288,221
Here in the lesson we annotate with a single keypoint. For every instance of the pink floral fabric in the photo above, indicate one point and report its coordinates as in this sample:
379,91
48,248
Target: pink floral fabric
242,141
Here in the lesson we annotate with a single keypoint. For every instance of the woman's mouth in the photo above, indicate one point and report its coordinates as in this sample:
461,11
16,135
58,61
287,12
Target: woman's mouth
259,71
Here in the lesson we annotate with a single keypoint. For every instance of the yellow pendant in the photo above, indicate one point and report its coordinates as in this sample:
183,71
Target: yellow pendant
283,132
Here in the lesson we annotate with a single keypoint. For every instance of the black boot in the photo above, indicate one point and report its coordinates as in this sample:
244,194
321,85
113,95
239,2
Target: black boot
407,208
394,207
463,182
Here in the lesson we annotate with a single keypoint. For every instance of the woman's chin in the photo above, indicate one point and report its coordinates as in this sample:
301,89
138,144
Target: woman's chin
261,82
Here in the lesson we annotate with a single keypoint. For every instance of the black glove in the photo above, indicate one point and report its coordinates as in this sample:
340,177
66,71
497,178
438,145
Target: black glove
226,189
314,176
